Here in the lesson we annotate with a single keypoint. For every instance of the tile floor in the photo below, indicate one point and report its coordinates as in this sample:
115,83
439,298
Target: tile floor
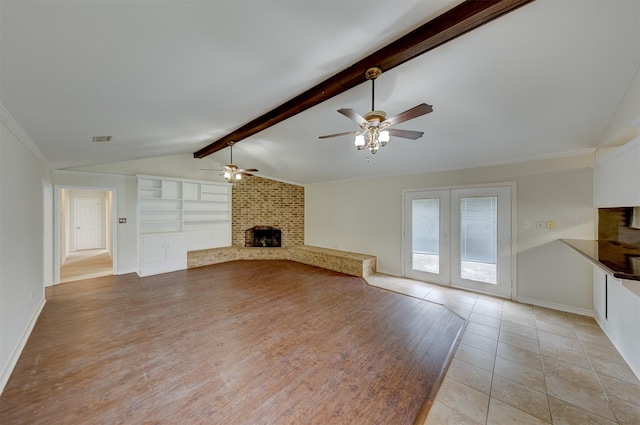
521,364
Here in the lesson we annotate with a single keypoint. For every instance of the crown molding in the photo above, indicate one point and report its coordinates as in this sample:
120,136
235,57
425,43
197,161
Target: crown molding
16,129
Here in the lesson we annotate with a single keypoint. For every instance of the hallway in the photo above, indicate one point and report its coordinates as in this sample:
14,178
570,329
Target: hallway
86,264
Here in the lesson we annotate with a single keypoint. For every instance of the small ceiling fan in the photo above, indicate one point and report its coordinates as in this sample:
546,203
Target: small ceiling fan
231,172
374,130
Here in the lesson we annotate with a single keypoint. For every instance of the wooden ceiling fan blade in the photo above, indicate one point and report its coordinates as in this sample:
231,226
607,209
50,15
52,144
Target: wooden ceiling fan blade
338,134
247,170
353,115
405,134
410,114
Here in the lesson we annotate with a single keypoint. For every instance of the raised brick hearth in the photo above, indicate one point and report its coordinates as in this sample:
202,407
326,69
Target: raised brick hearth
351,263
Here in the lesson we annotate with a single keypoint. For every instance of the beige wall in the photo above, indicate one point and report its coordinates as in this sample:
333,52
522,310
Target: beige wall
22,172
366,216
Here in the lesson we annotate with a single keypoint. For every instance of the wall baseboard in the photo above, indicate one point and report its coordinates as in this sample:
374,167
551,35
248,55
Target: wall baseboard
125,271
15,355
554,306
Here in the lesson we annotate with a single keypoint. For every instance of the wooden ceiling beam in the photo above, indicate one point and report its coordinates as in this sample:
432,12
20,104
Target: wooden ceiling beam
455,22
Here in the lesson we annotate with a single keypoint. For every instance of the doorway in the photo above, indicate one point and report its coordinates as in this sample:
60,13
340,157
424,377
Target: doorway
47,234
460,237
85,233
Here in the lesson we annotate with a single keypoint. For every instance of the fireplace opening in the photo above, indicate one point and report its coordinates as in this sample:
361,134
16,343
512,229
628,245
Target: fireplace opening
263,237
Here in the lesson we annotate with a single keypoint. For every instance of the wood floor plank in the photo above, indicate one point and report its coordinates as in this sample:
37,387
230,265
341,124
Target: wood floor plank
247,342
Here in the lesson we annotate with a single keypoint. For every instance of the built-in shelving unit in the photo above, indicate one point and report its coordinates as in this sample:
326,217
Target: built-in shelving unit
192,214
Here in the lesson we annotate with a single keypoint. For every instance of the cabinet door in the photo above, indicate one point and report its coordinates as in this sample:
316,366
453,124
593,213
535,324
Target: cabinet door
600,296
624,318
153,249
176,247
198,239
616,177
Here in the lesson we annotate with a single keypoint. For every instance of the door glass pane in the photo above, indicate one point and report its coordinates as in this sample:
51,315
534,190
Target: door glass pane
426,235
479,238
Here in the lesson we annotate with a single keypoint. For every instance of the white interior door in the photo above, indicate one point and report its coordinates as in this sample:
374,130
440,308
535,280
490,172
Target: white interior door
460,237
88,223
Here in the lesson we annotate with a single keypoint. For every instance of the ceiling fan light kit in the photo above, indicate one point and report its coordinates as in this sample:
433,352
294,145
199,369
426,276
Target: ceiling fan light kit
231,172
373,133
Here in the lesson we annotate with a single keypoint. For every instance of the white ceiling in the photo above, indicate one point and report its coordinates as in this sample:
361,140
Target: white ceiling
170,77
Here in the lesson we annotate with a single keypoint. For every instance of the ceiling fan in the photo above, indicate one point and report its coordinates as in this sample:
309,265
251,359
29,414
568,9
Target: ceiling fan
231,172
374,130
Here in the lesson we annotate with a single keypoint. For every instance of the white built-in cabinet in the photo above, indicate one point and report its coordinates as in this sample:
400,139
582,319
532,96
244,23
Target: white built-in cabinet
617,178
617,311
161,253
179,215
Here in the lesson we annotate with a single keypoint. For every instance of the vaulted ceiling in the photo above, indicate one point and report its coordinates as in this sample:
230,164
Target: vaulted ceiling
167,78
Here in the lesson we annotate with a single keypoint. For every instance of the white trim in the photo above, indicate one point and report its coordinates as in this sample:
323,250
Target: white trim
464,186
12,125
618,151
514,240
120,272
555,306
17,351
48,232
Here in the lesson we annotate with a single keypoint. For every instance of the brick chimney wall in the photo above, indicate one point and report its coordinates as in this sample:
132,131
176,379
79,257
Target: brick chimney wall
257,201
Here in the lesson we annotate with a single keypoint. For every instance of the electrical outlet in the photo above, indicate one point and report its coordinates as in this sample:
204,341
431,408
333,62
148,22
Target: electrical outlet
551,224
539,224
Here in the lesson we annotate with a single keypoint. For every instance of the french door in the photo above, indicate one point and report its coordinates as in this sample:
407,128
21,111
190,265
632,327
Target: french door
460,237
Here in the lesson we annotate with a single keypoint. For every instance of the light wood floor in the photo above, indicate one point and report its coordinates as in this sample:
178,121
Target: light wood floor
86,264
246,342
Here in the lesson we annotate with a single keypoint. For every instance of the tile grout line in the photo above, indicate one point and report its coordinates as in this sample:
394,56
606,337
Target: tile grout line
597,375
544,373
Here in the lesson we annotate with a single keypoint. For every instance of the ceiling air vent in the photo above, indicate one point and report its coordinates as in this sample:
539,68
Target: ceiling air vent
99,139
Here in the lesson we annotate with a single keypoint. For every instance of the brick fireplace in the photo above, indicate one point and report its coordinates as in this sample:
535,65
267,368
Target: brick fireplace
257,201
263,237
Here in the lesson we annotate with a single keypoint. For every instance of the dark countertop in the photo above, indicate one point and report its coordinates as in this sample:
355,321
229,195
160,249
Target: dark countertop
620,259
